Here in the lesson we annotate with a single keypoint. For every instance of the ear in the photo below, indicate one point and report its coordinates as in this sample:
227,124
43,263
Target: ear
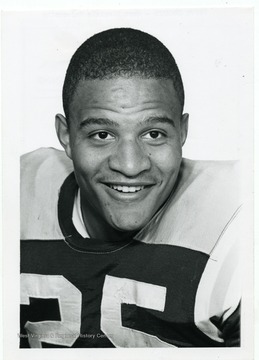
184,127
63,133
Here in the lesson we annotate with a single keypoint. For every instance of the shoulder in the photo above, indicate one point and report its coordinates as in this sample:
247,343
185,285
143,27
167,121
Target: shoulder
222,173
44,159
43,171
209,183
202,205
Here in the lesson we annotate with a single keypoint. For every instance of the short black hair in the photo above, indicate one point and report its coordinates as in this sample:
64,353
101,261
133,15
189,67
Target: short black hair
120,52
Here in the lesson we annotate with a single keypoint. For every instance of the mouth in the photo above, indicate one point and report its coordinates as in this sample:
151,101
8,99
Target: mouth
127,192
126,189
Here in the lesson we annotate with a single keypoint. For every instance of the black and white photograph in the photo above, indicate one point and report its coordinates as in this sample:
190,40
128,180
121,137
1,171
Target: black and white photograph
128,183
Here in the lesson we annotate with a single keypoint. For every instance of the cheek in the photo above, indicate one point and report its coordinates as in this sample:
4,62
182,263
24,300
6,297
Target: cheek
84,167
167,160
86,161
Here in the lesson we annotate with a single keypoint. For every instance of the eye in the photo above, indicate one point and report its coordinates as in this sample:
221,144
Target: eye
153,135
102,135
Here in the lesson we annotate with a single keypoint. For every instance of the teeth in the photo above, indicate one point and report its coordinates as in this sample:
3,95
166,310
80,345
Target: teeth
127,189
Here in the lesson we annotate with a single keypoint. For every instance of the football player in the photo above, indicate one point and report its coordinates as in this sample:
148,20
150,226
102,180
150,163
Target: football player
124,242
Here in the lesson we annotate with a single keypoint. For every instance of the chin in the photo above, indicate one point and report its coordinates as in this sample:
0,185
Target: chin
128,226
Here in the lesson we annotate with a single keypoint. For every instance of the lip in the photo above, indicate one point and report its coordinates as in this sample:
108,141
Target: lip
128,183
129,196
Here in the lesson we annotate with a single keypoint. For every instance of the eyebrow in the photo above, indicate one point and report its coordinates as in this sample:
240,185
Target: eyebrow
104,121
98,121
160,119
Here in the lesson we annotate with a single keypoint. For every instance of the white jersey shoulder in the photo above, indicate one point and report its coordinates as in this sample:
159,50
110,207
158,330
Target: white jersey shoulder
43,171
203,205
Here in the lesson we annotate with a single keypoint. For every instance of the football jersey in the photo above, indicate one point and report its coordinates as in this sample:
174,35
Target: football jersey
175,284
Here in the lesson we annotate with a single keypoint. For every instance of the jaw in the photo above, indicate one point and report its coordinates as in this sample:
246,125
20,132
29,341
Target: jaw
115,214
130,211
115,210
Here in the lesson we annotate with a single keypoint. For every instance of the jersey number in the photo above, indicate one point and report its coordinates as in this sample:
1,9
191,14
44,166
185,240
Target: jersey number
115,292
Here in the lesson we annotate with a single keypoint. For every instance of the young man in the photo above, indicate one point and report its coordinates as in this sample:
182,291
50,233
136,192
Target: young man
128,244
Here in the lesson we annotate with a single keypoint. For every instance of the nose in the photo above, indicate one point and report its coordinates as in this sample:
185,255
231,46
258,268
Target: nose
129,158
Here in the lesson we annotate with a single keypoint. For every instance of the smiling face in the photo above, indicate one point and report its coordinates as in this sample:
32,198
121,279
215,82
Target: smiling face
125,139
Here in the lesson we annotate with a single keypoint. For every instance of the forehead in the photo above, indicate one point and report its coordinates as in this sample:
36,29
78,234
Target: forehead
127,94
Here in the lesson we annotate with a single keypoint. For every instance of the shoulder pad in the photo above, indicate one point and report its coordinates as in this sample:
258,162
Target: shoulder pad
43,172
199,210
